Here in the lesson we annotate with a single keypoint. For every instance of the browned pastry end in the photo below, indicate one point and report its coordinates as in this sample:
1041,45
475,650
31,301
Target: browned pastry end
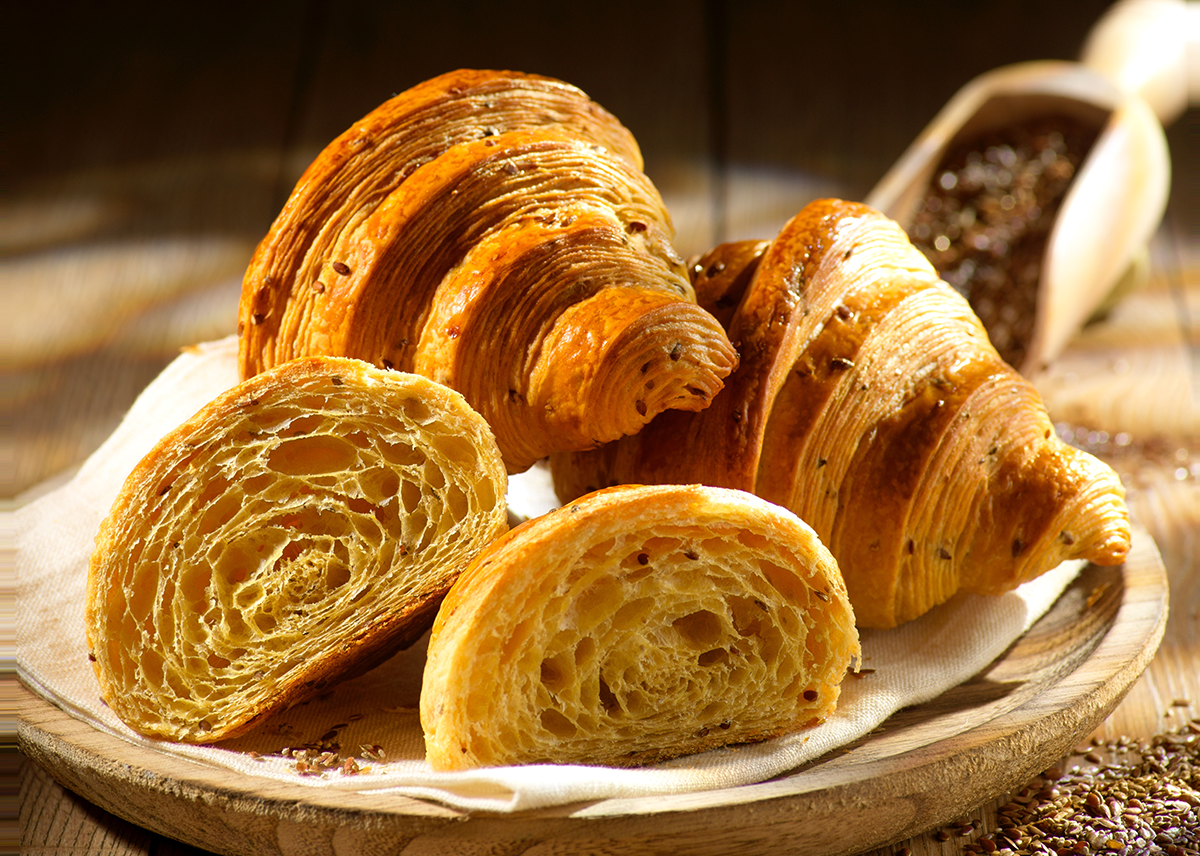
870,402
296,531
722,275
553,367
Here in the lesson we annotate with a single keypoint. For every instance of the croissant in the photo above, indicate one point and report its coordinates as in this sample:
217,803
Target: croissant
635,625
870,402
299,529
509,212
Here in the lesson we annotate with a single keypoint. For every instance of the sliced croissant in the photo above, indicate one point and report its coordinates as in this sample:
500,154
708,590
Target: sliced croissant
297,530
870,402
536,218
635,625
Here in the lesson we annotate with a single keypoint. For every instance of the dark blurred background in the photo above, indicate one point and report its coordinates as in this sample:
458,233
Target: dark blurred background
834,91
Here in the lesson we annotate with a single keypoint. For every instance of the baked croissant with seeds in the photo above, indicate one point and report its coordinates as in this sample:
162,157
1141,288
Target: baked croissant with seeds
298,530
870,402
509,212
635,625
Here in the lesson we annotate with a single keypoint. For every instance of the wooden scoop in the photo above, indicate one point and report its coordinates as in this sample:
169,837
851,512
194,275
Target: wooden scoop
1092,236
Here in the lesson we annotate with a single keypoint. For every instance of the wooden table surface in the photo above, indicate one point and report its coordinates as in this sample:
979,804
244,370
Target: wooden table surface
149,150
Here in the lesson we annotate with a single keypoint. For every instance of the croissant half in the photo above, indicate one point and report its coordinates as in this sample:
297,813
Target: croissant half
297,530
635,625
524,205
870,402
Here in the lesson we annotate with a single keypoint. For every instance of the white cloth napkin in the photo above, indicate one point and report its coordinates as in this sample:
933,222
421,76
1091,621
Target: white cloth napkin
54,538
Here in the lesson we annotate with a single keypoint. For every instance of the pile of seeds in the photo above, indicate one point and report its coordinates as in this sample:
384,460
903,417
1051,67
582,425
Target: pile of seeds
987,216
1120,797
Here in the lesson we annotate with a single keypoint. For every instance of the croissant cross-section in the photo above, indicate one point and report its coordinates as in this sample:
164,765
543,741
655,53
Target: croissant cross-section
297,530
636,625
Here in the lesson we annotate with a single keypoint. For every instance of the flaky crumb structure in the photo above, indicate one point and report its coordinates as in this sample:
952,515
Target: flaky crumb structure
869,401
636,625
297,530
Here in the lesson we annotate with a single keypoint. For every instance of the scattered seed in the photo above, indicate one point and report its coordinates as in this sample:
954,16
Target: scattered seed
1144,801
372,752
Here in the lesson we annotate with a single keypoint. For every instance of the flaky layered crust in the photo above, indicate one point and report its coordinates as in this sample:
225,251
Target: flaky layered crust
296,531
293,264
870,402
525,199
636,625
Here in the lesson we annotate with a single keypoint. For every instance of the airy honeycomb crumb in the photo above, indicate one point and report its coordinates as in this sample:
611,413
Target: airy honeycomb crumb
297,529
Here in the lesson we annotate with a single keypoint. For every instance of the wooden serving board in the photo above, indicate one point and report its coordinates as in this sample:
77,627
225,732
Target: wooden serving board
924,767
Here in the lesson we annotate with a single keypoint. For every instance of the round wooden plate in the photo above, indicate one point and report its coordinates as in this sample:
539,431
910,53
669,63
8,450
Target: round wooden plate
925,766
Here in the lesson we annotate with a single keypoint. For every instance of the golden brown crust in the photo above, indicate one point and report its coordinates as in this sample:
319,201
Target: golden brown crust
869,401
552,367
297,530
722,275
360,168
635,625
557,200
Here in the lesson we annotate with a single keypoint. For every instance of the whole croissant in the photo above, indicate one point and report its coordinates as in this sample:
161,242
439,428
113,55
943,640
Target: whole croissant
299,529
870,402
493,231
636,625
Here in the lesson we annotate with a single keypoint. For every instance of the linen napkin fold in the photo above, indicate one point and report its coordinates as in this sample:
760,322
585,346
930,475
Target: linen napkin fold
373,719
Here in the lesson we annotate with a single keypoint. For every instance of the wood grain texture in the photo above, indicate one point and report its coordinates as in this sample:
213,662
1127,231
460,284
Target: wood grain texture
151,147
